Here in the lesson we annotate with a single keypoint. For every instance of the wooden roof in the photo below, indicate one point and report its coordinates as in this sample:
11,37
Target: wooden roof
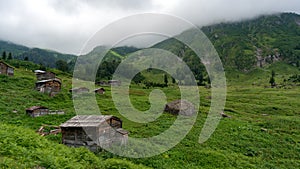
39,71
1,61
122,131
78,88
35,108
49,80
87,121
99,89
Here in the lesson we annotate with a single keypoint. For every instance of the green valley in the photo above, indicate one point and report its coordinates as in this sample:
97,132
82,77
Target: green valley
263,130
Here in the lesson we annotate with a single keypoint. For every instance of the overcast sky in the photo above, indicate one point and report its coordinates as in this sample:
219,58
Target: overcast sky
65,25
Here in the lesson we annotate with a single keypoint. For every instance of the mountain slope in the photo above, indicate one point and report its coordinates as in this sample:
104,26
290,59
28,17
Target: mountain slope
13,48
39,56
248,44
257,42
241,45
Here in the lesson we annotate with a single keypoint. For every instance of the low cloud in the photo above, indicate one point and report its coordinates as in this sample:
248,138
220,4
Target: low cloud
66,25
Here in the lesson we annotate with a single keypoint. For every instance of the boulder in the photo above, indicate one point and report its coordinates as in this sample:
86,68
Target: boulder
181,107
225,115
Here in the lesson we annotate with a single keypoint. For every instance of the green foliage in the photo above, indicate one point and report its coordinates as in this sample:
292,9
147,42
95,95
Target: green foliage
62,65
121,164
20,146
272,79
9,56
106,70
4,55
173,80
13,48
166,79
188,56
262,133
238,142
45,57
138,78
294,78
25,148
125,50
38,56
238,43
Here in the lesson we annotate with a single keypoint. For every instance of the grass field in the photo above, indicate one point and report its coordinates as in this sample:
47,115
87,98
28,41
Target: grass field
263,132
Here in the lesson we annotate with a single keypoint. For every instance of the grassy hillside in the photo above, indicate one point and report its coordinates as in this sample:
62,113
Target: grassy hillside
262,133
261,76
21,147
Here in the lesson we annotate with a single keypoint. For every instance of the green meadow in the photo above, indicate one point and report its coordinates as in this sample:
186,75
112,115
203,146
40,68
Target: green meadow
263,131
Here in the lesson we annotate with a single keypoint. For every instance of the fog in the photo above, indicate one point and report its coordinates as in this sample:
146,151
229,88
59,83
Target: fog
65,26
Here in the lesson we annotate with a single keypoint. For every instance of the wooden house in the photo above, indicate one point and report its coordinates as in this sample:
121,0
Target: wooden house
50,86
79,90
6,69
102,83
36,111
114,82
100,91
93,131
109,83
43,75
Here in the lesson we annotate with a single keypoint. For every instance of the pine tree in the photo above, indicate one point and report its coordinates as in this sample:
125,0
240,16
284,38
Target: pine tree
272,79
4,55
62,65
166,79
173,80
9,56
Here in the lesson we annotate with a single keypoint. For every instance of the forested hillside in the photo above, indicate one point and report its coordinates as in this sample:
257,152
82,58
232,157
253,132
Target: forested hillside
257,42
249,44
43,57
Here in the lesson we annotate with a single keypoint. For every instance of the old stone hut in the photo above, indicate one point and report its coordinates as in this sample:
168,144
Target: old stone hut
79,90
93,131
100,91
50,86
6,69
181,107
36,111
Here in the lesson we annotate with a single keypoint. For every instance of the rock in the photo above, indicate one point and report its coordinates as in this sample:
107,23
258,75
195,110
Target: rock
181,107
264,130
225,115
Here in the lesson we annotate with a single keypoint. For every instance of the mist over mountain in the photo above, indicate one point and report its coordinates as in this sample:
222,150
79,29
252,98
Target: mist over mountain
241,45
